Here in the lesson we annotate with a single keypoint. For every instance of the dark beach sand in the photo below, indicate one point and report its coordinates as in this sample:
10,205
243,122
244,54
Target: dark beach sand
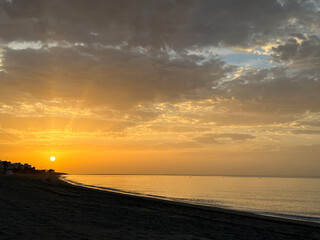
37,207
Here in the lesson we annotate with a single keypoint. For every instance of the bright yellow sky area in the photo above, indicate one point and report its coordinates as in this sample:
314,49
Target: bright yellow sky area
178,139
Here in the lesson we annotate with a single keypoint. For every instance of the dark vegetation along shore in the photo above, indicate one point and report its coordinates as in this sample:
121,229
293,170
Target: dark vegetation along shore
43,207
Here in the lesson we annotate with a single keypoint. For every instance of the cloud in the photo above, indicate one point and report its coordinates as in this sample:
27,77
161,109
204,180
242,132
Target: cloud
276,90
104,77
38,124
136,53
175,146
179,129
157,24
243,118
123,80
307,131
303,55
211,138
313,123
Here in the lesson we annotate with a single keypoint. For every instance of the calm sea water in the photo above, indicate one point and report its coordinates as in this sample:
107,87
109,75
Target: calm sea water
297,198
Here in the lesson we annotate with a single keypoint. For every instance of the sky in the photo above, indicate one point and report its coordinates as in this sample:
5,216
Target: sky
226,87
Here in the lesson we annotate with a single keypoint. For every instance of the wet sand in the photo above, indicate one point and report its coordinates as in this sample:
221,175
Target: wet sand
42,207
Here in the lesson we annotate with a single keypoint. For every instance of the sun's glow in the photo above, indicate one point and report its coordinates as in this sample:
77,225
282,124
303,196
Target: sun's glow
52,158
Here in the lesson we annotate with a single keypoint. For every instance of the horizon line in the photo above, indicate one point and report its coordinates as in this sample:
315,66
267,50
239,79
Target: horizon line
196,175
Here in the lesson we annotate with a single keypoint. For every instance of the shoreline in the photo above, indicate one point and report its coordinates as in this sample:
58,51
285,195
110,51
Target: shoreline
38,207
299,219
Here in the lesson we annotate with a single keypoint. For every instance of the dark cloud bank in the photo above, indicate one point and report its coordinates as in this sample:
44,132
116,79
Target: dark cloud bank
120,54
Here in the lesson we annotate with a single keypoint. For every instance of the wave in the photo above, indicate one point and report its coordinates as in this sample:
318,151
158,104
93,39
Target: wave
289,216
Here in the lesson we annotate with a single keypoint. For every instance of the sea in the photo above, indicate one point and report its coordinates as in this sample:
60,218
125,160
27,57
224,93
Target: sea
292,198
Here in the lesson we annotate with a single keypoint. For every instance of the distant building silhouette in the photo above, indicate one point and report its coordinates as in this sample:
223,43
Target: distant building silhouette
9,168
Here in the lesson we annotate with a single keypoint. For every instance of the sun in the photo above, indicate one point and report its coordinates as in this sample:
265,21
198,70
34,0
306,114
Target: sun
52,158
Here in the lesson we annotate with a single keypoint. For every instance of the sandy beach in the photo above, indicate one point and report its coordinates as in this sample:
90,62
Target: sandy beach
42,207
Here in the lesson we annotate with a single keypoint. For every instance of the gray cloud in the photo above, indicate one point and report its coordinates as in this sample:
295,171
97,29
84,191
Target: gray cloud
243,118
119,54
211,138
304,55
179,129
276,90
313,123
105,76
307,131
177,24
